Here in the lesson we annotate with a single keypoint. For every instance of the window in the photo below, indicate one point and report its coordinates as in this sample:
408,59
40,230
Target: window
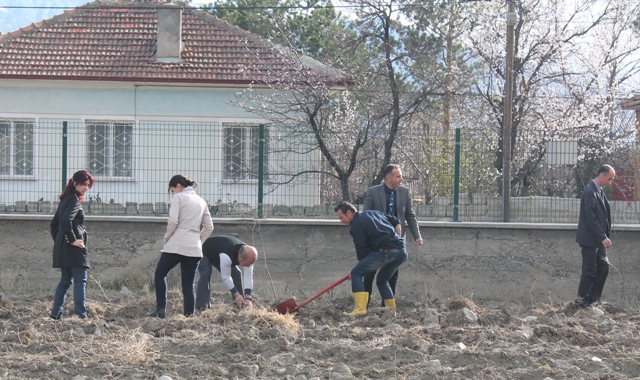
110,148
241,158
16,147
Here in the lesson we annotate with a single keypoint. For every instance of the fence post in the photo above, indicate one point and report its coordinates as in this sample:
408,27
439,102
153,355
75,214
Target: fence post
64,154
456,178
261,171
508,113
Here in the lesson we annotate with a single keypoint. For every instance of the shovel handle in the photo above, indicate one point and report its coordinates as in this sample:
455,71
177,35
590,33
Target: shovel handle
321,292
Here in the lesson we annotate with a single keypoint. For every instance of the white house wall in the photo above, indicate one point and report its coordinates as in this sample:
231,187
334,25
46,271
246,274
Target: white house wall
122,100
157,156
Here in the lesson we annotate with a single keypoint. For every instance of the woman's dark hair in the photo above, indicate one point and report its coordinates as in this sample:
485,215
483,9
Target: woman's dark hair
81,176
180,179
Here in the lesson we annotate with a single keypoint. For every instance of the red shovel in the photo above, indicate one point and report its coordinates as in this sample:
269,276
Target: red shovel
290,306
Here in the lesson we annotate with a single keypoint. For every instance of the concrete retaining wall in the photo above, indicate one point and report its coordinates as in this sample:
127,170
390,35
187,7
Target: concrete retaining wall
485,261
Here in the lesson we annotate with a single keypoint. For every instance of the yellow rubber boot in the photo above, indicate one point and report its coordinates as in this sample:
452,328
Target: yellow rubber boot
360,298
391,303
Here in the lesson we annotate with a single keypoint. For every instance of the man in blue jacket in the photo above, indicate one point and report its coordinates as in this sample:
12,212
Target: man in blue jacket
594,231
379,247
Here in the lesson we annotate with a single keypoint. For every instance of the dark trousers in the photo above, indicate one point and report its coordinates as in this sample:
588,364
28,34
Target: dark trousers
368,284
203,292
188,268
595,269
386,262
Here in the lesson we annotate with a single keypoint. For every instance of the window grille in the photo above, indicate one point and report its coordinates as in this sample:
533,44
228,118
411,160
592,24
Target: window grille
110,148
241,149
16,147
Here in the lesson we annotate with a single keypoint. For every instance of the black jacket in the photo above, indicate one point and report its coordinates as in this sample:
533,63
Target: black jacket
215,245
67,226
594,224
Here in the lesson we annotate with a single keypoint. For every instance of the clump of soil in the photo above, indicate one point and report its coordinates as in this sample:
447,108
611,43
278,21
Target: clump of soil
453,339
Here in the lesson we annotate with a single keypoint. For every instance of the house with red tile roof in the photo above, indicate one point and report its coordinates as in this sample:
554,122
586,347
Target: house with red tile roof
135,92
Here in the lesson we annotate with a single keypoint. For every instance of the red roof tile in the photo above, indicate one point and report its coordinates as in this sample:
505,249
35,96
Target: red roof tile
631,104
117,42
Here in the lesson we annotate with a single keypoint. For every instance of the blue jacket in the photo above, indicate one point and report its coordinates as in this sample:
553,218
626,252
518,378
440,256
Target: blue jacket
371,230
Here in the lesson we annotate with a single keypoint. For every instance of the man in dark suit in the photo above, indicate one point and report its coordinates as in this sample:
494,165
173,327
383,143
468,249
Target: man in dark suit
594,231
390,198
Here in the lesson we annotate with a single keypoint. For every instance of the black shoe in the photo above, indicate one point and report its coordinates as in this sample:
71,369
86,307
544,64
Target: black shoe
585,304
200,309
159,313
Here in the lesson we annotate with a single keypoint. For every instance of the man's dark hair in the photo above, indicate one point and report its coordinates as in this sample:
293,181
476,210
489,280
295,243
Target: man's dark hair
345,206
389,168
606,169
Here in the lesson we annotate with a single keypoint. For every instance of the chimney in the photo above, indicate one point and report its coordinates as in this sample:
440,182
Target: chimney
169,33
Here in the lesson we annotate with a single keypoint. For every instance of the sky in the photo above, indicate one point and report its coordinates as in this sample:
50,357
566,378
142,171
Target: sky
12,19
16,14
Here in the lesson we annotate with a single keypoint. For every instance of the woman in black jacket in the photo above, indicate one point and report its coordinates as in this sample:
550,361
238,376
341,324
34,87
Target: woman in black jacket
69,250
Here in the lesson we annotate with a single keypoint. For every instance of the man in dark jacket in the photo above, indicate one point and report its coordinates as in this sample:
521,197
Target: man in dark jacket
225,253
391,198
379,247
594,231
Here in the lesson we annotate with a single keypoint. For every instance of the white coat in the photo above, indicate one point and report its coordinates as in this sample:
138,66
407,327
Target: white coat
189,224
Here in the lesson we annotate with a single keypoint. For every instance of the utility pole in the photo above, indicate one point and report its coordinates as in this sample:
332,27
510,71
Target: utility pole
507,113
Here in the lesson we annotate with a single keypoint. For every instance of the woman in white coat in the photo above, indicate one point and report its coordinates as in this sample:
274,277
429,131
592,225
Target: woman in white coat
188,227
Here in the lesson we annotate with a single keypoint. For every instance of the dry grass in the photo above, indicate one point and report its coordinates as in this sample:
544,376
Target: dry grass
74,341
10,280
110,338
263,317
460,302
139,279
117,341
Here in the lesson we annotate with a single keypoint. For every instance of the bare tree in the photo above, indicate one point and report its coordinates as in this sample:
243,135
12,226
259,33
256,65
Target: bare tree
355,130
313,112
549,74
394,90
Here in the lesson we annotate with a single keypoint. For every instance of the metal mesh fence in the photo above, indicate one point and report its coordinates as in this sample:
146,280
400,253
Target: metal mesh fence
548,176
133,162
